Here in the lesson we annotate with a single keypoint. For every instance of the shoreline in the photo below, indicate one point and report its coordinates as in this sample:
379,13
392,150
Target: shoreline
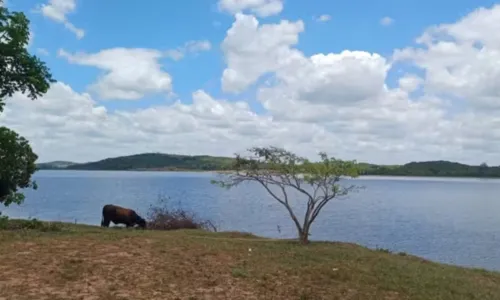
230,171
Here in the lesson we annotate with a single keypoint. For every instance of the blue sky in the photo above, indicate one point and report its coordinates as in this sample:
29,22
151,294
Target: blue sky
169,24
391,109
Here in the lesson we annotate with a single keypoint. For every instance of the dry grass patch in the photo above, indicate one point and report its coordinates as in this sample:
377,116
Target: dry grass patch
84,262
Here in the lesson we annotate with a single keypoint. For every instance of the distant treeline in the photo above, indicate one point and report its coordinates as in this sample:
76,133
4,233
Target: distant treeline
433,168
149,161
166,162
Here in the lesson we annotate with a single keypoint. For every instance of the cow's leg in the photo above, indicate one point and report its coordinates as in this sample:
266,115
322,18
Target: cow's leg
105,222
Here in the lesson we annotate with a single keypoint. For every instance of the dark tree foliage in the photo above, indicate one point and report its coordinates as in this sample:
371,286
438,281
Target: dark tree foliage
166,162
434,168
157,161
17,164
281,172
19,70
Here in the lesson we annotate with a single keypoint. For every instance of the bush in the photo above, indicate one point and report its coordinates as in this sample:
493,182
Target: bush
32,224
163,217
4,221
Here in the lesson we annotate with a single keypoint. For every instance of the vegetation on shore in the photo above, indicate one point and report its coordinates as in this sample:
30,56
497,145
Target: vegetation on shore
148,161
174,162
119,263
280,172
438,168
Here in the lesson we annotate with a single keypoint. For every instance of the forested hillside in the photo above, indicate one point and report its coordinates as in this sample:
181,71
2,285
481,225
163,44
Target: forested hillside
157,161
434,168
166,162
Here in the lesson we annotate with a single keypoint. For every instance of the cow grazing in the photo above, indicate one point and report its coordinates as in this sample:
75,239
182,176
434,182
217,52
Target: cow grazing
121,215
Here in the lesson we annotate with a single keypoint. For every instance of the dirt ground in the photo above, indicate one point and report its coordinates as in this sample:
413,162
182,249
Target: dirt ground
129,264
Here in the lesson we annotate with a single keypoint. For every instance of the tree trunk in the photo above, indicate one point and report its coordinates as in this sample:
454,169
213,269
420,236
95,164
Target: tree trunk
304,237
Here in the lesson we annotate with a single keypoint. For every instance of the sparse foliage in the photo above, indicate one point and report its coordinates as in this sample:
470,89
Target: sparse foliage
163,216
273,167
31,224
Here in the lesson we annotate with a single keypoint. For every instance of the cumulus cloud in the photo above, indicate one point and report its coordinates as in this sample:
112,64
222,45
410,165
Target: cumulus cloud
57,10
339,102
323,18
346,77
67,125
189,47
346,93
130,73
251,50
262,8
42,51
386,21
86,130
461,59
409,82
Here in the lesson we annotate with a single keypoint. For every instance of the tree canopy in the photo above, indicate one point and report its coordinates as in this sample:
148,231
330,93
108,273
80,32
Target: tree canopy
279,171
17,164
19,72
434,168
154,161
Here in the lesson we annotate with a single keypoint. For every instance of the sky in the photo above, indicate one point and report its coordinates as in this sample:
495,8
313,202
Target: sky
385,81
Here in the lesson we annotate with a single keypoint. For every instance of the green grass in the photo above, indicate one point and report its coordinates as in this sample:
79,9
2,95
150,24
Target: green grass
77,261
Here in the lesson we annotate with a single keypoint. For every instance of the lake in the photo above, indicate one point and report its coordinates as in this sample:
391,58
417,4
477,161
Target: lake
455,221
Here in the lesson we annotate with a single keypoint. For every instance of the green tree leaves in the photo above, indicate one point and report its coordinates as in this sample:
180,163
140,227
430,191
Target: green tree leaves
278,170
19,72
17,164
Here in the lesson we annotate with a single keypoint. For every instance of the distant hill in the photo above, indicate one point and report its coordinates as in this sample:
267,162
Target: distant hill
173,162
157,161
438,168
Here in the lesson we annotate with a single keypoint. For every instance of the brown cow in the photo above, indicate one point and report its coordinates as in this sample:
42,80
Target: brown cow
121,215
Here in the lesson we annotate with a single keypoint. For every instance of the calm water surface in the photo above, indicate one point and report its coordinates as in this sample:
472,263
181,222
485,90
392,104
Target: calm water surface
455,221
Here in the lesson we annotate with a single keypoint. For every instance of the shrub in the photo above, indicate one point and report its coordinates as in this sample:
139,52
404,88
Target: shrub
4,221
164,217
32,224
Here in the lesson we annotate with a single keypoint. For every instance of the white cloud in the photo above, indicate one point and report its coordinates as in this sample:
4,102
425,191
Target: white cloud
175,54
87,131
189,47
346,77
409,82
251,50
130,74
345,95
461,59
386,21
43,51
262,8
323,18
57,10
339,102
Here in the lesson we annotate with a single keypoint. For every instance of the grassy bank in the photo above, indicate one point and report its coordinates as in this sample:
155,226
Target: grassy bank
66,261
